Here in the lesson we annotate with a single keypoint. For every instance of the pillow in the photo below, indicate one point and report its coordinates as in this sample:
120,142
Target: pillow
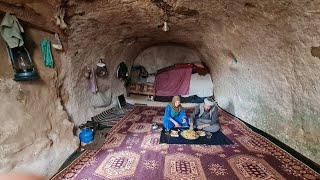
151,79
165,69
199,65
202,71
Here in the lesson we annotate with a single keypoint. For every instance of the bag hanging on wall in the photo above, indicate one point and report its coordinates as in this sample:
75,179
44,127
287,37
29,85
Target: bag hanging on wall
58,44
101,70
122,71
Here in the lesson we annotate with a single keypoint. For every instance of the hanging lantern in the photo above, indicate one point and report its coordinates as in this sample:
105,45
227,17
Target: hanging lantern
101,70
165,26
22,64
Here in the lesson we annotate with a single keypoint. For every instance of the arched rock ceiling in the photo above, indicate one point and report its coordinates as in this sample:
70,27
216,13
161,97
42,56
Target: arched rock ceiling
204,25
39,13
140,18
127,21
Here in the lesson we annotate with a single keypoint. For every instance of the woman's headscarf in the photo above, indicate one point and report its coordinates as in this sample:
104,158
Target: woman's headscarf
175,99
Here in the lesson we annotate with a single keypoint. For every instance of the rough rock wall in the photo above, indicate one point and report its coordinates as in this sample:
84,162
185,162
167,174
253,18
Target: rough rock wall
160,56
272,84
36,134
79,101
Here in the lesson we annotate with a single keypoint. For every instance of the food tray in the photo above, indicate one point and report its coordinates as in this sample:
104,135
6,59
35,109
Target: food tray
189,134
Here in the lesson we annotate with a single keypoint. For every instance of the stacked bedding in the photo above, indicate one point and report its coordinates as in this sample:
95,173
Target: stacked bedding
200,86
192,81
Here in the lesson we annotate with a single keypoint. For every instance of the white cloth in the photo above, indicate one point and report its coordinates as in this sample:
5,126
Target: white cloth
208,102
201,86
151,79
11,31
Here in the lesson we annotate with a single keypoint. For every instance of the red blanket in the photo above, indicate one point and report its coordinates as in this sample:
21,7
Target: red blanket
173,82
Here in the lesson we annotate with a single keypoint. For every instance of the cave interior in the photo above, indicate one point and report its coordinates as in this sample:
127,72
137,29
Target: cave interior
263,60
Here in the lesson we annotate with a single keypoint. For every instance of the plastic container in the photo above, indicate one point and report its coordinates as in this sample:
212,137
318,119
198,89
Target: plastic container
86,136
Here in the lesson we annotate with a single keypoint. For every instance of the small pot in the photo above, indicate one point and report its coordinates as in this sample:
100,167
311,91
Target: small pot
154,126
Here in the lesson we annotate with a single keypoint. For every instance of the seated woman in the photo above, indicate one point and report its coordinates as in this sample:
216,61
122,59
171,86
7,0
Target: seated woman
205,116
174,115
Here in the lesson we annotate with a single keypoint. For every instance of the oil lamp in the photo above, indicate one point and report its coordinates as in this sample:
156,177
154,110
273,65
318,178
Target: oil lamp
165,27
22,64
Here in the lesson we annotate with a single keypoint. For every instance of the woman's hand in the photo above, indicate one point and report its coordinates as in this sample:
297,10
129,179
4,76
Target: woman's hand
176,124
203,126
191,126
184,121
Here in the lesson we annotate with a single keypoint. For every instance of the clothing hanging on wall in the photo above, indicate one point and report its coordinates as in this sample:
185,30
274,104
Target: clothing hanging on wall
59,16
45,47
11,31
122,71
57,45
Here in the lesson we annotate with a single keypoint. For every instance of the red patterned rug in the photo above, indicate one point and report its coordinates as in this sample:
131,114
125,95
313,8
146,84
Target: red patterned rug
132,151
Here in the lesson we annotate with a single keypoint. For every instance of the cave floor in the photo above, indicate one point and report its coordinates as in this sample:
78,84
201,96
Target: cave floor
99,138
132,150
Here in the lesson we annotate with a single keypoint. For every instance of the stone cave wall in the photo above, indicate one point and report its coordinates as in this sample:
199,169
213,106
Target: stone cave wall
81,104
270,86
161,56
263,57
273,83
36,134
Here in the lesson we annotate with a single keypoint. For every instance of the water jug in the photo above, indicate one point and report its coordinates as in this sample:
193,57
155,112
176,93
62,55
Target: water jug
86,135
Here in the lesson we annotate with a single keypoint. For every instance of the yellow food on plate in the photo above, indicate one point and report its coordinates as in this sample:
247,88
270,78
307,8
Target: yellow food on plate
190,134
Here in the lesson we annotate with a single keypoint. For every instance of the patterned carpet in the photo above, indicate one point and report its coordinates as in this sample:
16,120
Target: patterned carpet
132,151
